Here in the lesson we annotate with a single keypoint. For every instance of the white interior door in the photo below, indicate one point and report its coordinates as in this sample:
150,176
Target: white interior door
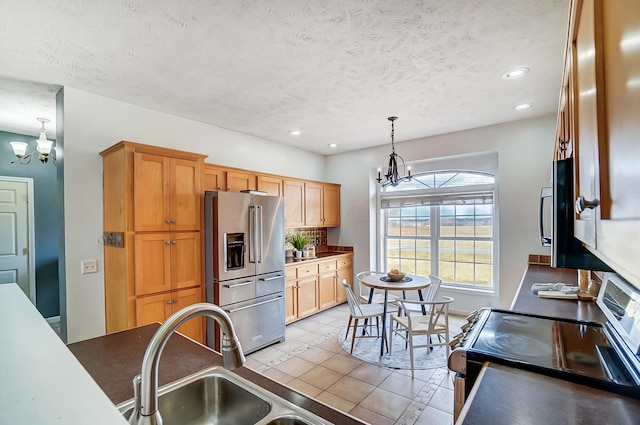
16,236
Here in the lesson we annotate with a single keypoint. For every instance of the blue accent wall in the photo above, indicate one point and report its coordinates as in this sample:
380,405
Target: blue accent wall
45,189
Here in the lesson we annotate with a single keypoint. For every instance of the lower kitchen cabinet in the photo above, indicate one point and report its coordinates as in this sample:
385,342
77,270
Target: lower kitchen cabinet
327,283
315,285
157,308
345,272
307,296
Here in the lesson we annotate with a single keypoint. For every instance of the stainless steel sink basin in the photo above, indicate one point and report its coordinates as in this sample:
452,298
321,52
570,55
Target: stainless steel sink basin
218,396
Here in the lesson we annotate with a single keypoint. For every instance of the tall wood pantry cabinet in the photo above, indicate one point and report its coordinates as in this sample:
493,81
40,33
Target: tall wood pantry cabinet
152,198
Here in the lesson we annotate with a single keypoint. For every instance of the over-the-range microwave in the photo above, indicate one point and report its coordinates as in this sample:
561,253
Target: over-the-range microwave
566,250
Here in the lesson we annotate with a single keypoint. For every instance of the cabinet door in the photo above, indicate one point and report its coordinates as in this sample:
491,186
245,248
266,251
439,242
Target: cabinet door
620,226
213,178
153,308
590,130
313,206
152,263
293,203
271,185
345,272
308,296
185,260
185,195
237,181
327,289
331,205
151,192
193,328
290,300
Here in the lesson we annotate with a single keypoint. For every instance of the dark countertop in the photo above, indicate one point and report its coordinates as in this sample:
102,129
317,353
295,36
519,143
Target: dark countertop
319,256
507,396
526,301
113,360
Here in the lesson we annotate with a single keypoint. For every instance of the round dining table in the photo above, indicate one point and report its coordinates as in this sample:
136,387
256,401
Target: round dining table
381,281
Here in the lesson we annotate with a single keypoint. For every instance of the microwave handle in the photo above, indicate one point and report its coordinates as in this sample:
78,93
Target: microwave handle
545,192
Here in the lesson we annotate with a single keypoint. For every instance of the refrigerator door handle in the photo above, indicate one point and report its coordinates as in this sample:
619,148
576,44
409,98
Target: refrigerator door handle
252,231
259,243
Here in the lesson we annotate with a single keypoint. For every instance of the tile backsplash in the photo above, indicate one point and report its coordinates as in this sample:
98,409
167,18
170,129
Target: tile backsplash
317,234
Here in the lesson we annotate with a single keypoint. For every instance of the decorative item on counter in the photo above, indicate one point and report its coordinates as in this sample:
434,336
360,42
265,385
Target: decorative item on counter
299,242
594,287
583,280
312,250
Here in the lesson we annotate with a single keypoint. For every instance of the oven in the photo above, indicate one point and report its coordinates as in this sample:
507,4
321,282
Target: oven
603,356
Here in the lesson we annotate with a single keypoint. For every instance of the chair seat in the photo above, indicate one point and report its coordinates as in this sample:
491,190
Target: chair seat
379,299
419,327
371,310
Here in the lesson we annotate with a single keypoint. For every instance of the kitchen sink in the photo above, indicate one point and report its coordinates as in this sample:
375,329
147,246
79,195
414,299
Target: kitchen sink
218,396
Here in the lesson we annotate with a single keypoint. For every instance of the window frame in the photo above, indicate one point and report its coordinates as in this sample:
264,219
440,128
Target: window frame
435,217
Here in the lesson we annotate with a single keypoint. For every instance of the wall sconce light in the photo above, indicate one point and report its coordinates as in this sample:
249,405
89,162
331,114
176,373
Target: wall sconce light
392,176
44,148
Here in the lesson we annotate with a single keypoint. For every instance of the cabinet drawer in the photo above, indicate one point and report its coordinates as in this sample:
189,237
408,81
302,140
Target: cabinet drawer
326,266
290,272
345,262
307,270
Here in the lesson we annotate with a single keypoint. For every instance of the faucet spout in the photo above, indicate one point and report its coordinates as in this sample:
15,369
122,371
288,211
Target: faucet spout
147,394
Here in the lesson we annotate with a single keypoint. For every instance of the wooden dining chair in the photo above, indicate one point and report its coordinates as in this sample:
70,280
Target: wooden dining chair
359,312
429,294
434,323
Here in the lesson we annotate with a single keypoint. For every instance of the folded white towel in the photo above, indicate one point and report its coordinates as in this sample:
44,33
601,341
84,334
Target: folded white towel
566,289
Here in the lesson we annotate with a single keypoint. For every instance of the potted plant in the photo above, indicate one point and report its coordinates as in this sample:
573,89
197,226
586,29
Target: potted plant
299,242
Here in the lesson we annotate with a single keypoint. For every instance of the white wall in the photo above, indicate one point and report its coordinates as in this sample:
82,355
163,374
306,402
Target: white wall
525,152
92,124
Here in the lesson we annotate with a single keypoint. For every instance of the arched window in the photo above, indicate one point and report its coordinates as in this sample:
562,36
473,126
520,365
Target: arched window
441,223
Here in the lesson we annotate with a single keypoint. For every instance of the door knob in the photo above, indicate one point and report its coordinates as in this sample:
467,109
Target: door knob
582,204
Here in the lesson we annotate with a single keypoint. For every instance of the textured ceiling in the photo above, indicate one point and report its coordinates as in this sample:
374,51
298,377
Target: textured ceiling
335,70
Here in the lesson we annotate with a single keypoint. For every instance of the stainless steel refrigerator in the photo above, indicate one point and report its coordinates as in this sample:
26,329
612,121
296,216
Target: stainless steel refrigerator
244,260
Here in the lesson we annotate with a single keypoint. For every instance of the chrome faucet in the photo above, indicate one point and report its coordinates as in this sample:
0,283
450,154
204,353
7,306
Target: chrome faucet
145,385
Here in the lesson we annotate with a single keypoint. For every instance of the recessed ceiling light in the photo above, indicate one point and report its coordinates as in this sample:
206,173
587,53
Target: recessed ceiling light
515,73
523,106
333,145
294,132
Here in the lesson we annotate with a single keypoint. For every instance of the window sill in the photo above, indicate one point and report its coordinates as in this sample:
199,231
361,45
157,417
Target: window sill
489,292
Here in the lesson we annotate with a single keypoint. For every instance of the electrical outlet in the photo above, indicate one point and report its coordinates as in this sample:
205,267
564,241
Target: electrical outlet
89,266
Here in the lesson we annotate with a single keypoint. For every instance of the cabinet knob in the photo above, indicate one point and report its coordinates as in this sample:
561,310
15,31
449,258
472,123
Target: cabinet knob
167,221
175,301
173,221
167,242
582,204
174,242
169,302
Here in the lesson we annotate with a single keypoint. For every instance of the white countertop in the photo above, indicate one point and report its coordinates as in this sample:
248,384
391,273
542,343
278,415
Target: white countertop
41,382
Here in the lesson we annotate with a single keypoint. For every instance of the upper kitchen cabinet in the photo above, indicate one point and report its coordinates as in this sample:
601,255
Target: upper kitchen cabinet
598,115
619,228
273,186
293,203
239,180
322,204
214,178
228,179
587,57
166,193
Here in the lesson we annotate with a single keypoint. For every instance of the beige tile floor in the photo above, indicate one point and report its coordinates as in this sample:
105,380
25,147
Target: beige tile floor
312,362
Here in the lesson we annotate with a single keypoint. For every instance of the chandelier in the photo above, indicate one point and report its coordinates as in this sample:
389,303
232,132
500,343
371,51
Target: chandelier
44,148
391,175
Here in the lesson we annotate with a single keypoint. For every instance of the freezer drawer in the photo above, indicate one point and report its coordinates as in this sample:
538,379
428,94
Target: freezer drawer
258,323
